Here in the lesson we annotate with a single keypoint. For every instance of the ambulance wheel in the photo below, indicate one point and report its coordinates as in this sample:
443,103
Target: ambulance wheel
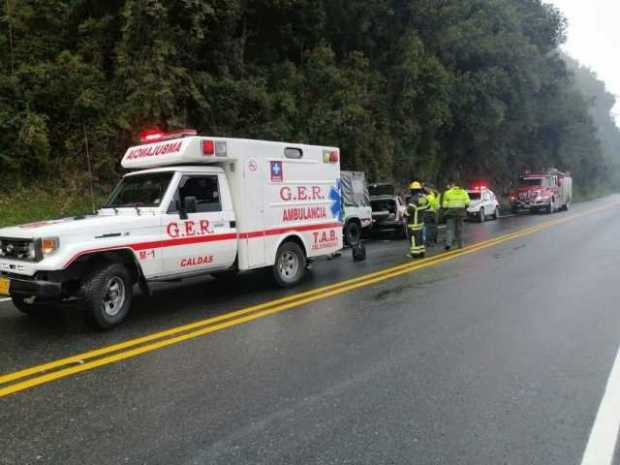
352,233
290,265
496,214
481,215
107,292
30,307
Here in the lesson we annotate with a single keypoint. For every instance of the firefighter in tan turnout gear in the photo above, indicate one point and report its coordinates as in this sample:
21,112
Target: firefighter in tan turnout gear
418,204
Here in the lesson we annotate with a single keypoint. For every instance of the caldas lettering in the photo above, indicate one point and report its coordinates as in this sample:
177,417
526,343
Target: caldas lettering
196,261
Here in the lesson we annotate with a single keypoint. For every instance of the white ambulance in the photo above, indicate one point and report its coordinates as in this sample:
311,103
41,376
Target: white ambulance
189,206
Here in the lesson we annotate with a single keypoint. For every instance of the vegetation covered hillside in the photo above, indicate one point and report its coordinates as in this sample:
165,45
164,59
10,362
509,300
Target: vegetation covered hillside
407,88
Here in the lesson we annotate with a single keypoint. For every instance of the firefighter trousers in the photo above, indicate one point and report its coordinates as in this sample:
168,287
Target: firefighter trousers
416,235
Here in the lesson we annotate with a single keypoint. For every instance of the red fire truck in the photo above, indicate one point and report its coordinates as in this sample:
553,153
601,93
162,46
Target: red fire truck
548,192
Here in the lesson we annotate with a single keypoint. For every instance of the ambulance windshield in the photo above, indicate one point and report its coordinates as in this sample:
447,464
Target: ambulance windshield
142,190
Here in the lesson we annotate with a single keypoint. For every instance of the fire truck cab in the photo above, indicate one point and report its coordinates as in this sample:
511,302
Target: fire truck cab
548,192
190,205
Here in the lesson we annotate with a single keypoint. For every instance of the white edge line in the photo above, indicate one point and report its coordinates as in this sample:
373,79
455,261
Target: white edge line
5,300
602,442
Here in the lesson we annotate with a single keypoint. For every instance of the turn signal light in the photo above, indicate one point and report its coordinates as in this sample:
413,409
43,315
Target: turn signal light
49,245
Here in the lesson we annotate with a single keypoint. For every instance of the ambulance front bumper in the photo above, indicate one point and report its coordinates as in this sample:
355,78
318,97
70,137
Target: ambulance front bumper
29,287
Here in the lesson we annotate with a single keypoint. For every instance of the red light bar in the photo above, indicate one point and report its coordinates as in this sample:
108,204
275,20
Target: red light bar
478,187
151,135
154,135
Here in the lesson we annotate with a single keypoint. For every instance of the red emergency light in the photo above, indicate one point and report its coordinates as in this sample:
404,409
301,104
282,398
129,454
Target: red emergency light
478,187
208,147
155,135
331,156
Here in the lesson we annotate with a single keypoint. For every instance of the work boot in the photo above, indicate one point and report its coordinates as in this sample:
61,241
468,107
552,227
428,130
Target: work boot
448,248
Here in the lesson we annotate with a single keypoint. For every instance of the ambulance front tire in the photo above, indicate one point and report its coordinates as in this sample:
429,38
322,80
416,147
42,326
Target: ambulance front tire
290,266
107,293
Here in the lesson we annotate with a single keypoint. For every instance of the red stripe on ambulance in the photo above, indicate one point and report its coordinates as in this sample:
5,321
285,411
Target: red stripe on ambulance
209,238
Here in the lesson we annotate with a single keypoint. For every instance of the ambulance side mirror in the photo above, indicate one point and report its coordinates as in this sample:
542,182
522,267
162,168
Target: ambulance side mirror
190,204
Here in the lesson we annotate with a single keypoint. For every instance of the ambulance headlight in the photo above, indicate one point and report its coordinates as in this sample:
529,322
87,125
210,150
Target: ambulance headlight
32,251
49,245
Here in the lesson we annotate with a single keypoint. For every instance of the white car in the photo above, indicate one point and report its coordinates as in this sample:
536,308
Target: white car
484,204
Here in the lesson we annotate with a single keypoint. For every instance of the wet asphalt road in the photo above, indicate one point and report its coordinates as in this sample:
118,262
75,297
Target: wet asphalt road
498,357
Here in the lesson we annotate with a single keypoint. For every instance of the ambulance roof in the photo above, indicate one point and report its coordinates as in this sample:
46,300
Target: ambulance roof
197,150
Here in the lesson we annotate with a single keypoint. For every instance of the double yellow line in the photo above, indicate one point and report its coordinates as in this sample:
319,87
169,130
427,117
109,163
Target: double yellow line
41,374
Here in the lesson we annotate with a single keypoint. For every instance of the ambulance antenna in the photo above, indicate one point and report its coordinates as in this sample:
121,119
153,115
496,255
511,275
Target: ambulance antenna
90,170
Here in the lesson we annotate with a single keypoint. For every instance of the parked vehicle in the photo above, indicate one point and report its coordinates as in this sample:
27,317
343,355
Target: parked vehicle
196,205
357,209
484,204
388,209
548,192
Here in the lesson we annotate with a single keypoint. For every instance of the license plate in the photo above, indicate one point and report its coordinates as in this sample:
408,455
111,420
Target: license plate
5,284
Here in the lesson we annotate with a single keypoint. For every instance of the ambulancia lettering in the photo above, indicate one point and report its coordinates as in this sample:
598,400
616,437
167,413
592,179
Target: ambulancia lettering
303,214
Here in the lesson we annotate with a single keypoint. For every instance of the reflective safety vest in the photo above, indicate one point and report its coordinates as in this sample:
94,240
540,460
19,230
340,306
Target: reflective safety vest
433,201
455,198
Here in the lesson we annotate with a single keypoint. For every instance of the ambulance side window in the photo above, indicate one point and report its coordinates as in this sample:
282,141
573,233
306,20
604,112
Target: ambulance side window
204,188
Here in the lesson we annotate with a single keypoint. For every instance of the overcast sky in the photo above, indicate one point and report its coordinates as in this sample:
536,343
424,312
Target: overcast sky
594,38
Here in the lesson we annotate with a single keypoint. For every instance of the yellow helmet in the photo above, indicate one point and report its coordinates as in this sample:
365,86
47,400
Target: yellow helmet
415,185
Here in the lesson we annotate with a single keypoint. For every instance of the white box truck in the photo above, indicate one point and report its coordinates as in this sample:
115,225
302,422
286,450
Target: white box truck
189,206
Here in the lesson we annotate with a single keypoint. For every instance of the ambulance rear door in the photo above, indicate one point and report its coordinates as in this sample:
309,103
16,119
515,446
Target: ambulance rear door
253,216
